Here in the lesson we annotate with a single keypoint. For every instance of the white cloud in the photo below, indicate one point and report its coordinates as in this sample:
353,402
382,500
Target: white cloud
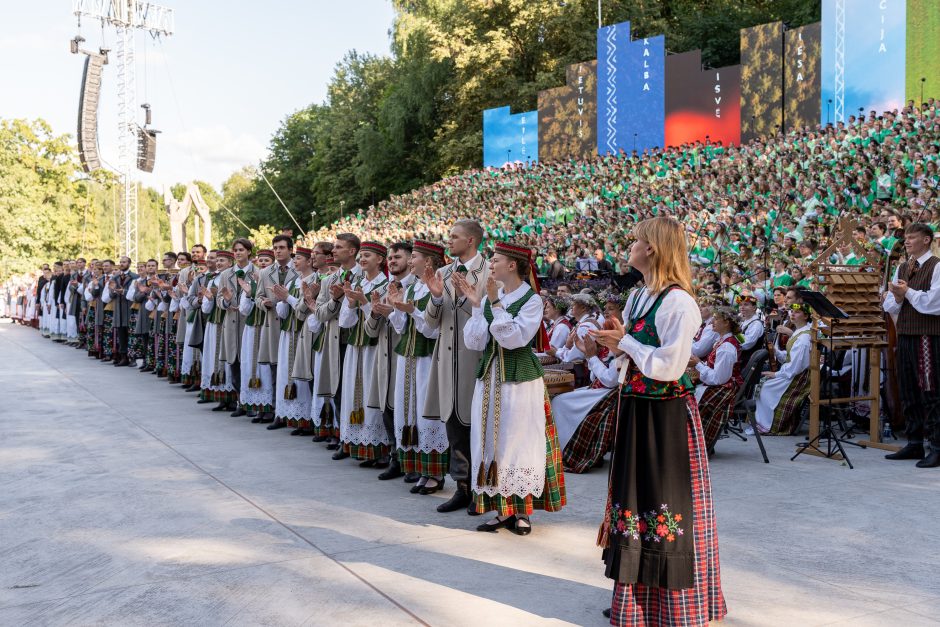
209,153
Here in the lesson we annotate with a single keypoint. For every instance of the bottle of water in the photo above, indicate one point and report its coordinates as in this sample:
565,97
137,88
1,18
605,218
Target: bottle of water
887,433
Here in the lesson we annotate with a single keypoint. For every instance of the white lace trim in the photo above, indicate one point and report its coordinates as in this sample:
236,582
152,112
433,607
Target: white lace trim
514,481
298,409
370,432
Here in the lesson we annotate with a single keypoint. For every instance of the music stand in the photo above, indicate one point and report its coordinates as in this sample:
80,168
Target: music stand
825,309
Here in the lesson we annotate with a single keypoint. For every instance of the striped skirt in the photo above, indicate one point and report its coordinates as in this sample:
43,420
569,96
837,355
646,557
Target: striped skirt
639,604
593,437
715,408
787,414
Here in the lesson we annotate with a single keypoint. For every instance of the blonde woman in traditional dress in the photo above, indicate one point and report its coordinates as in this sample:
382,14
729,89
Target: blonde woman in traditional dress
516,461
658,533
781,394
422,444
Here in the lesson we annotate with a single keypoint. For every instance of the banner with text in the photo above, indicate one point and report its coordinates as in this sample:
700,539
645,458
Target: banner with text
701,104
509,137
568,115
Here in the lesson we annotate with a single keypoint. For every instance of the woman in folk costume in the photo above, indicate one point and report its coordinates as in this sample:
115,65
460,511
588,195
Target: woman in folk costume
216,383
557,324
291,390
586,417
514,447
362,432
781,394
659,533
256,394
422,444
719,376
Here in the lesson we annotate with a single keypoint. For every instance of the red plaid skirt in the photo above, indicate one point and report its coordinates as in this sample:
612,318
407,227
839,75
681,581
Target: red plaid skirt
642,605
593,437
715,409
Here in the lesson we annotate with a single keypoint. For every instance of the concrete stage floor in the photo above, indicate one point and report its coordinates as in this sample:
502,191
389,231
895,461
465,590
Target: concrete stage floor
125,503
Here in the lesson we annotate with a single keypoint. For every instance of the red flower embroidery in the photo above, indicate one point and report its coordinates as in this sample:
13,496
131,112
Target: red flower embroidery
642,526
639,387
671,537
660,518
639,326
661,530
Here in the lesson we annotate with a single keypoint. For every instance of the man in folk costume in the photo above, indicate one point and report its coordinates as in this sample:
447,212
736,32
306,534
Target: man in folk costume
914,297
233,325
46,302
585,417
659,532
382,392
175,318
138,294
281,272
180,292
256,394
292,386
85,330
110,297
195,323
423,447
216,381
322,410
362,432
122,311
514,443
60,283
331,344
73,303
453,363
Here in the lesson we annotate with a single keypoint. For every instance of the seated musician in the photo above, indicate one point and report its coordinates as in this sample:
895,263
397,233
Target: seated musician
557,325
780,394
719,375
582,306
585,417
752,326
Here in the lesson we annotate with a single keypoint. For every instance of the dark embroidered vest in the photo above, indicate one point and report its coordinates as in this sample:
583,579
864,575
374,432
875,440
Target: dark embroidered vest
911,321
517,365
412,343
644,331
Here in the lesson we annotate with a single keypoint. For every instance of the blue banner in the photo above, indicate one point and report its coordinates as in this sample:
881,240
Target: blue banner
509,137
863,57
631,88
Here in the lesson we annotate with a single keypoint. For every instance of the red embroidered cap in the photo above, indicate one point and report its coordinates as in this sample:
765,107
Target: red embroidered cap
374,247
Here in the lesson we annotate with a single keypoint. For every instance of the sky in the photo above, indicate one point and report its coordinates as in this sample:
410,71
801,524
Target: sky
219,86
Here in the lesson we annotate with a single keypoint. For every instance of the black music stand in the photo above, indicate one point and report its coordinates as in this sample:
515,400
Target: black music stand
824,307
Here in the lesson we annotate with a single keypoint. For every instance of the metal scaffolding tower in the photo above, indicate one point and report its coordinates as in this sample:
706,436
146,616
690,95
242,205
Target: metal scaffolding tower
127,17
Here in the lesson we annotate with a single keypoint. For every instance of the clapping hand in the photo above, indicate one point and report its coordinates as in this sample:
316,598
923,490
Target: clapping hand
586,345
280,292
898,289
378,307
242,283
492,289
611,338
463,287
226,293
434,282
336,291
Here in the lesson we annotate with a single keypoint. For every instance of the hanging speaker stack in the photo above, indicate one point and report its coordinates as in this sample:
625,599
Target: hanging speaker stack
88,111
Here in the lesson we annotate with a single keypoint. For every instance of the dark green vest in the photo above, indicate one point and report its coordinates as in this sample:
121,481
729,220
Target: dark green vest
643,330
516,365
412,343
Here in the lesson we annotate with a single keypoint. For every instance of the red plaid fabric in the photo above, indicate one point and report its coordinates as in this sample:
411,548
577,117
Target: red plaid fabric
408,460
366,452
787,414
593,437
433,464
715,409
553,496
641,605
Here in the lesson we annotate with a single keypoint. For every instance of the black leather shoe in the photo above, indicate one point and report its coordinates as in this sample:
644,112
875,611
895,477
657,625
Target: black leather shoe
431,489
332,446
931,461
338,455
392,472
369,463
256,419
521,527
221,407
319,438
202,401
297,431
277,424
383,462
496,524
416,488
411,477
252,413
606,613
460,500
911,450
239,413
